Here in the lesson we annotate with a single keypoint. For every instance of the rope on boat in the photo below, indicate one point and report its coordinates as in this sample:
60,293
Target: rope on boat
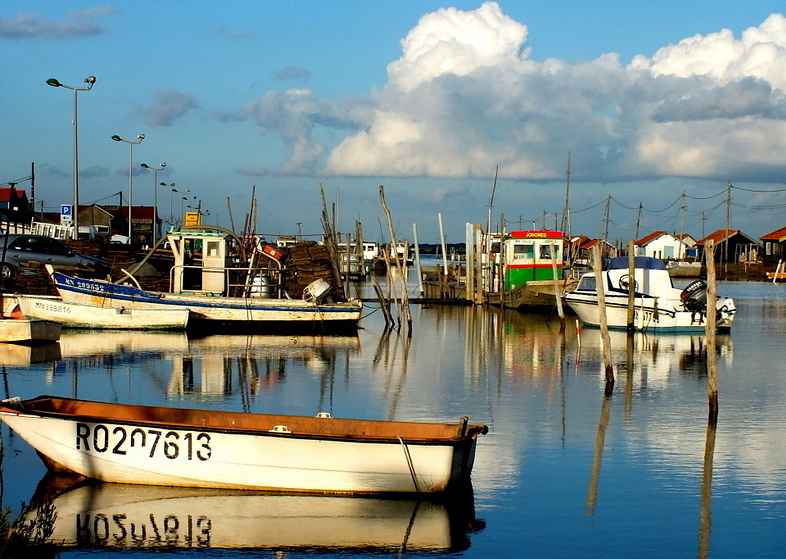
409,463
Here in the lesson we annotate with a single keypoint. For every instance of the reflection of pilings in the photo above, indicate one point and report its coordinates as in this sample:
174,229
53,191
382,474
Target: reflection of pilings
629,345
402,377
592,495
705,523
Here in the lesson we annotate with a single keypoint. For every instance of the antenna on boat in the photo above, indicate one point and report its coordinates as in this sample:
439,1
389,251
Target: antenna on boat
491,201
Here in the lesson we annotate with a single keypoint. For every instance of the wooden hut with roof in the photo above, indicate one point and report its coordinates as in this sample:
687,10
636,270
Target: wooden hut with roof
732,245
774,246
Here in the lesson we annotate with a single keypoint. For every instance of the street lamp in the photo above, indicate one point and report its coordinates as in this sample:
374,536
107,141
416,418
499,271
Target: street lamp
155,197
131,145
90,81
186,191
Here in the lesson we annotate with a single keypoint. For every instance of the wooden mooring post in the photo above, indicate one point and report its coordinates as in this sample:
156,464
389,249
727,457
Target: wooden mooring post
631,286
711,330
597,266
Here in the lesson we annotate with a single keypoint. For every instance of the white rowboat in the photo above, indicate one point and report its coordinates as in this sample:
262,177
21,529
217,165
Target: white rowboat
20,330
208,448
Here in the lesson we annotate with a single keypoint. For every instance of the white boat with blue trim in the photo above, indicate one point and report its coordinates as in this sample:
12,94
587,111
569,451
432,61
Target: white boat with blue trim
219,449
658,305
221,280
77,315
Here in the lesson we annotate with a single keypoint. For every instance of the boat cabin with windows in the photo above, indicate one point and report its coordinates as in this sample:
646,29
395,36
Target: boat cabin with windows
530,255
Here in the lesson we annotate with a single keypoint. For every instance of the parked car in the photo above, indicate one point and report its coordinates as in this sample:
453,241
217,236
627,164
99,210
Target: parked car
16,249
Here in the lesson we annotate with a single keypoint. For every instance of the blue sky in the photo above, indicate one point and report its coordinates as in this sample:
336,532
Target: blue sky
652,101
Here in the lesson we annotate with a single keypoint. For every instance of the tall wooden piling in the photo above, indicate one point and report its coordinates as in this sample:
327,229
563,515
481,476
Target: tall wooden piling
597,266
631,286
557,287
711,329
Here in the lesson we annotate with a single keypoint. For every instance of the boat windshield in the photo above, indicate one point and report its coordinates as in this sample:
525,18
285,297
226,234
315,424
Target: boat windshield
586,283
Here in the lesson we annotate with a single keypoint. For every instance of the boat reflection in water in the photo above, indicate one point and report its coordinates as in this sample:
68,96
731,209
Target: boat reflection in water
655,355
256,361
120,516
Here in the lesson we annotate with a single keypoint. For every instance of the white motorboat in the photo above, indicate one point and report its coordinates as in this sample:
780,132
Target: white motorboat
658,305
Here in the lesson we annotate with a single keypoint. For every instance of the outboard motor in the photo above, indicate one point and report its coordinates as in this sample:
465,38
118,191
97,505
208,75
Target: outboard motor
694,297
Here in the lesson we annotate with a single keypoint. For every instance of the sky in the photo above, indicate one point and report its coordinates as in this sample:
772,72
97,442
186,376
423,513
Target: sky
671,114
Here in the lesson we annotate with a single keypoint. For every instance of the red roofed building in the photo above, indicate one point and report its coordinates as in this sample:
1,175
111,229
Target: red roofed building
732,245
14,205
775,244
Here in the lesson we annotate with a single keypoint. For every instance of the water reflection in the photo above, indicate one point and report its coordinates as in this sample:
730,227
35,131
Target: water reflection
221,365
119,516
655,356
21,355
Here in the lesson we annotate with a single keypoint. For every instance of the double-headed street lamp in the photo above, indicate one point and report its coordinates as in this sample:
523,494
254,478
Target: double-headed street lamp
155,197
131,145
90,81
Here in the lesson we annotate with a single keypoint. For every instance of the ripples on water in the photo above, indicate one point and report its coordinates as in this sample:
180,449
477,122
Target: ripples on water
564,472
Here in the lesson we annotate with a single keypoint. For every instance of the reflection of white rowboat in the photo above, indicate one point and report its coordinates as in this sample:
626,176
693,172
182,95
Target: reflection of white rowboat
208,448
23,355
108,515
76,315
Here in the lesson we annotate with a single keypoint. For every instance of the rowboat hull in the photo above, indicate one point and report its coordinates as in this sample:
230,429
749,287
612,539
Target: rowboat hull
18,330
241,310
77,315
205,448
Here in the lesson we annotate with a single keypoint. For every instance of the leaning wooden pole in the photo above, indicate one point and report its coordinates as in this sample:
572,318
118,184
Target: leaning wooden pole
711,329
405,312
597,266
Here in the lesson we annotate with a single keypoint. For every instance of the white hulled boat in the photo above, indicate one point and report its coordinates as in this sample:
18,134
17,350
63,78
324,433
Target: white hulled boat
658,305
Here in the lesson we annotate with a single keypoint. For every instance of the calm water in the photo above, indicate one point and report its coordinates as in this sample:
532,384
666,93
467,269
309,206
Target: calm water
563,472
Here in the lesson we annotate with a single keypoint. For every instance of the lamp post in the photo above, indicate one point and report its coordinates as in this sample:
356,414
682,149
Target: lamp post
186,191
90,81
155,197
131,145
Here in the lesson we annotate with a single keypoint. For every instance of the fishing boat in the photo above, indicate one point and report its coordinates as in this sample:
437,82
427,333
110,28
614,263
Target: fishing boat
209,448
683,269
77,315
526,270
117,516
657,304
221,280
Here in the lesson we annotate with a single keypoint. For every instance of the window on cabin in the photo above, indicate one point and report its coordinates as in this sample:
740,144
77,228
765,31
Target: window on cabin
545,252
522,252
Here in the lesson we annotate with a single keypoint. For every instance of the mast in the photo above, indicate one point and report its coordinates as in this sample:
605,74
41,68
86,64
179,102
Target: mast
565,227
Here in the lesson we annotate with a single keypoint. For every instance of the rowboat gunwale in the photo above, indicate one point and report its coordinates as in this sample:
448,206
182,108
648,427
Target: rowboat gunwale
332,426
